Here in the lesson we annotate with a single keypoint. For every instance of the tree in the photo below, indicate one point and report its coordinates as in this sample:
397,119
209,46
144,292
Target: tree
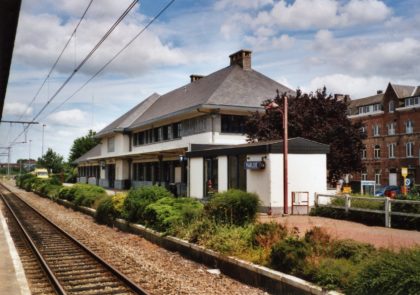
315,116
82,144
52,161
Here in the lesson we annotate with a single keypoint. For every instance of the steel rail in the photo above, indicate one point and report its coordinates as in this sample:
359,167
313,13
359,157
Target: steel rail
130,284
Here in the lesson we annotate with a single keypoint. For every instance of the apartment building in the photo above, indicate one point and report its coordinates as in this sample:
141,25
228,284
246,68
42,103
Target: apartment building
391,121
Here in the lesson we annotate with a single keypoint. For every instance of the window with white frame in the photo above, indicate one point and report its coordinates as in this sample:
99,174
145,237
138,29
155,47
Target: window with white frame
363,130
377,176
377,152
391,150
391,128
409,148
391,106
364,152
111,144
409,127
370,108
364,176
412,101
376,130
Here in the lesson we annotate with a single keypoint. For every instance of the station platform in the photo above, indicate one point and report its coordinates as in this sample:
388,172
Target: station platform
12,276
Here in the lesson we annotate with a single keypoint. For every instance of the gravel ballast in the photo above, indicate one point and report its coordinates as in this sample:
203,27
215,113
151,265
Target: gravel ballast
155,269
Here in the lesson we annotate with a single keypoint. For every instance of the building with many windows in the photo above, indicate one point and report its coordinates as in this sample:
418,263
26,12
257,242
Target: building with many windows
185,140
392,128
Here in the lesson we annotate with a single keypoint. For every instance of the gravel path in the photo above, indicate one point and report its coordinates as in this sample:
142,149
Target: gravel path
155,269
341,229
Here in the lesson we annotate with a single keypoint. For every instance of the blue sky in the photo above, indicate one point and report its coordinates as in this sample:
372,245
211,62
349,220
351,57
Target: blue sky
351,46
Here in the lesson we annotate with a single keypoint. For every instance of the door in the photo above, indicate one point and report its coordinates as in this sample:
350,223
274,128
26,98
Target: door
111,175
392,178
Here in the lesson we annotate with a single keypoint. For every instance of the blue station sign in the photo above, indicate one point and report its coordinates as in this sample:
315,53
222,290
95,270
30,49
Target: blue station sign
254,165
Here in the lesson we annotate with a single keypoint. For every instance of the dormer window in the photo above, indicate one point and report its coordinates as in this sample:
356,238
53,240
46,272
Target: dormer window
391,106
412,101
370,108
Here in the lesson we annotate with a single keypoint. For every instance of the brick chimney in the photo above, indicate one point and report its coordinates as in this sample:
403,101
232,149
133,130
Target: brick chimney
241,58
195,77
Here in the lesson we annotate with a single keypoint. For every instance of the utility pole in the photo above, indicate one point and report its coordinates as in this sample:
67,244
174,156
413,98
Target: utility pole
42,152
29,156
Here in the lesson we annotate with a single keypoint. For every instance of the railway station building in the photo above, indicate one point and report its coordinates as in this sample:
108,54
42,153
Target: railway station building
191,140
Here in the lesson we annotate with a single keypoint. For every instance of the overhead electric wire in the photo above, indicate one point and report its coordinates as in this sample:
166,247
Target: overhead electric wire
89,55
57,60
115,56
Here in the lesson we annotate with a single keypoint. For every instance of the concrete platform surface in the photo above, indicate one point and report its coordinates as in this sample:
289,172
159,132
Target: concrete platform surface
12,276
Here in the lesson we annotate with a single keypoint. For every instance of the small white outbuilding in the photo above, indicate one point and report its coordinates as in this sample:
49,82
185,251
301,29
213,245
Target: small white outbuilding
258,168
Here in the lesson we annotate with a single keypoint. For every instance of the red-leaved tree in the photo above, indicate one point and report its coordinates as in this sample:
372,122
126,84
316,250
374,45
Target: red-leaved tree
315,116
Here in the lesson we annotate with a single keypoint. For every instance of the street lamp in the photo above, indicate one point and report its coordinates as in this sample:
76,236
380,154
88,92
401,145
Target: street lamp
274,105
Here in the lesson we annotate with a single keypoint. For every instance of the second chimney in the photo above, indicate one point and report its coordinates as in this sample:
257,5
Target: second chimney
241,58
195,77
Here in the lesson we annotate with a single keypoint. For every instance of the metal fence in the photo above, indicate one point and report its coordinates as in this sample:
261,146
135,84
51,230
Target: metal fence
387,205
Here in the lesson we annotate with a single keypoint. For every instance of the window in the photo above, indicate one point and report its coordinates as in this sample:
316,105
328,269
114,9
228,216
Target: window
391,150
176,130
377,176
363,130
409,147
364,176
377,152
237,172
391,106
364,152
370,108
210,176
409,127
233,124
376,130
391,128
411,101
111,144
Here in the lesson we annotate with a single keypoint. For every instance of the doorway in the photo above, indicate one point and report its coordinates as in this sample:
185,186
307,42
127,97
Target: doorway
111,175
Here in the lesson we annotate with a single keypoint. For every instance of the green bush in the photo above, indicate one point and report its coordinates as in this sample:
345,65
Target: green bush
52,191
86,194
335,273
289,255
163,214
82,194
138,199
229,239
389,273
105,212
233,207
352,250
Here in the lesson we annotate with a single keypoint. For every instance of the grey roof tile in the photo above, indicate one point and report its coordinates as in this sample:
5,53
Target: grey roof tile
230,86
93,152
128,118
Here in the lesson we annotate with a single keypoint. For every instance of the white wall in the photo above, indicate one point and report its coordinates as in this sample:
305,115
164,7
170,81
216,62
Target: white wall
306,173
121,169
222,173
196,170
258,181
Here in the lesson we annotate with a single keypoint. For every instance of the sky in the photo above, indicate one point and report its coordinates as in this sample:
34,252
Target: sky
353,47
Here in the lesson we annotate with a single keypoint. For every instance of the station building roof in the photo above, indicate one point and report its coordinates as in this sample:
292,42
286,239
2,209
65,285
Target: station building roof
236,86
297,145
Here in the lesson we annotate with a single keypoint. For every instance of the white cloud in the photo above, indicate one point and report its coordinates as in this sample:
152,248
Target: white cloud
243,4
41,37
356,87
73,117
361,55
16,108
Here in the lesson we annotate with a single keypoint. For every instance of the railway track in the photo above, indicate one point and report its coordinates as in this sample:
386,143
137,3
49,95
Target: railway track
68,266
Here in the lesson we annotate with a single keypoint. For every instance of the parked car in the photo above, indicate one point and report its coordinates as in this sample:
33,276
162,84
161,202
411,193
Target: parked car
386,191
